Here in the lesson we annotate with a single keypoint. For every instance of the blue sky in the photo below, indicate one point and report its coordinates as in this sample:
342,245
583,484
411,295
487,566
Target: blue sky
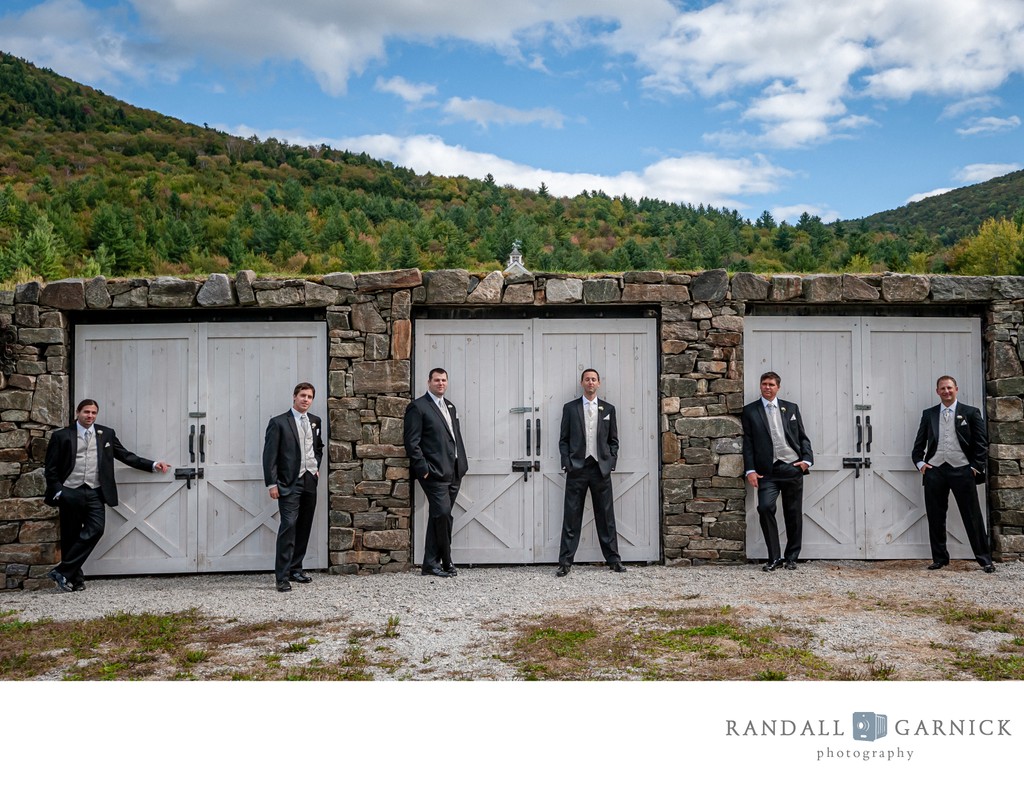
838,108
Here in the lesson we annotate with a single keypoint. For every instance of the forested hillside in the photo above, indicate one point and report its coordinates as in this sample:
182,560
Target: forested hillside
92,185
956,214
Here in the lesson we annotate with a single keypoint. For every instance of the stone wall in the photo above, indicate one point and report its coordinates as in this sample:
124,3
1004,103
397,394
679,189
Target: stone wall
369,320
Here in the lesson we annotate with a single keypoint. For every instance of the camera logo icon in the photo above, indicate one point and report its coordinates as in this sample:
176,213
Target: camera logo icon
869,726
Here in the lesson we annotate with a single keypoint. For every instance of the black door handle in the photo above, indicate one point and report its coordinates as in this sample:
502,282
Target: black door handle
202,442
191,444
538,436
527,436
860,434
867,419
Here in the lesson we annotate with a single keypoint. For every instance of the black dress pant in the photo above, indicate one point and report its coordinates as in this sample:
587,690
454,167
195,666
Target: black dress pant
82,519
296,523
577,482
437,540
938,482
787,480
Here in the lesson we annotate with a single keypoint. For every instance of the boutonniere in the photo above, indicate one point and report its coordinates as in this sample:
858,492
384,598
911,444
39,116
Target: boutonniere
783,409
600,408
99,431
959,418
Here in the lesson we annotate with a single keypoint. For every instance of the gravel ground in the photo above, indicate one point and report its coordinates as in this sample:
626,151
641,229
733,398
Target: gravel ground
452,628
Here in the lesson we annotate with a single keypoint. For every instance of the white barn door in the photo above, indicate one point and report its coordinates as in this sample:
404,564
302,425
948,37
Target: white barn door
199,397
138,376
509,380
819,360
909,355
861,384
247,374
624,351
490,383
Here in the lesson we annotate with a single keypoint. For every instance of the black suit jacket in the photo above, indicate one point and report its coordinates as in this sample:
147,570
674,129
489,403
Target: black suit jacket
60,460
970,432
572,437
282,451
429,444
758,453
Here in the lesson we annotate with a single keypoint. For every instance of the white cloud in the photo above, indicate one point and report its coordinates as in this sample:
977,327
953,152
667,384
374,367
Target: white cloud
693,178
989,125
485,113
807,62
970,106
926,194
791,213
71,38
336,40
713,180
411,93
979,173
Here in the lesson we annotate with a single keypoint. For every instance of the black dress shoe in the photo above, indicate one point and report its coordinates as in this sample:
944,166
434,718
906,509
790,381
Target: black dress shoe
441,574
451,570
78,585
989,568
63,585
563,570
617,567
284,586
790,564
771,565
301,577
937,565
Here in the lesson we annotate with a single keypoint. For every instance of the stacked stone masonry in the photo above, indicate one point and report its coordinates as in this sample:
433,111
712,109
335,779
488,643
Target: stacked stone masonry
369,320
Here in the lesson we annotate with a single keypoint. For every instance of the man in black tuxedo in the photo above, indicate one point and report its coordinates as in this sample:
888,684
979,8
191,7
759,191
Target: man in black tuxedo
776,456
79,473
292,450
588,445
437,459
951,450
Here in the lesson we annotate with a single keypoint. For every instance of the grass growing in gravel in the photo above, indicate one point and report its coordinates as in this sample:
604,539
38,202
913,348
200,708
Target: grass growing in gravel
1006,663
186,646
668,644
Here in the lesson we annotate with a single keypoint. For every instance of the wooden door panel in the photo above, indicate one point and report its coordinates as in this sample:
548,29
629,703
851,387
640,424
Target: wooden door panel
624,352
139,374
249,373
819,360
908,355
489,380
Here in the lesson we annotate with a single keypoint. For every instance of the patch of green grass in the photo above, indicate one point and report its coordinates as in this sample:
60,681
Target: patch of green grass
150,646
301,646
391,631
650,643
562,643
881,671
991,667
